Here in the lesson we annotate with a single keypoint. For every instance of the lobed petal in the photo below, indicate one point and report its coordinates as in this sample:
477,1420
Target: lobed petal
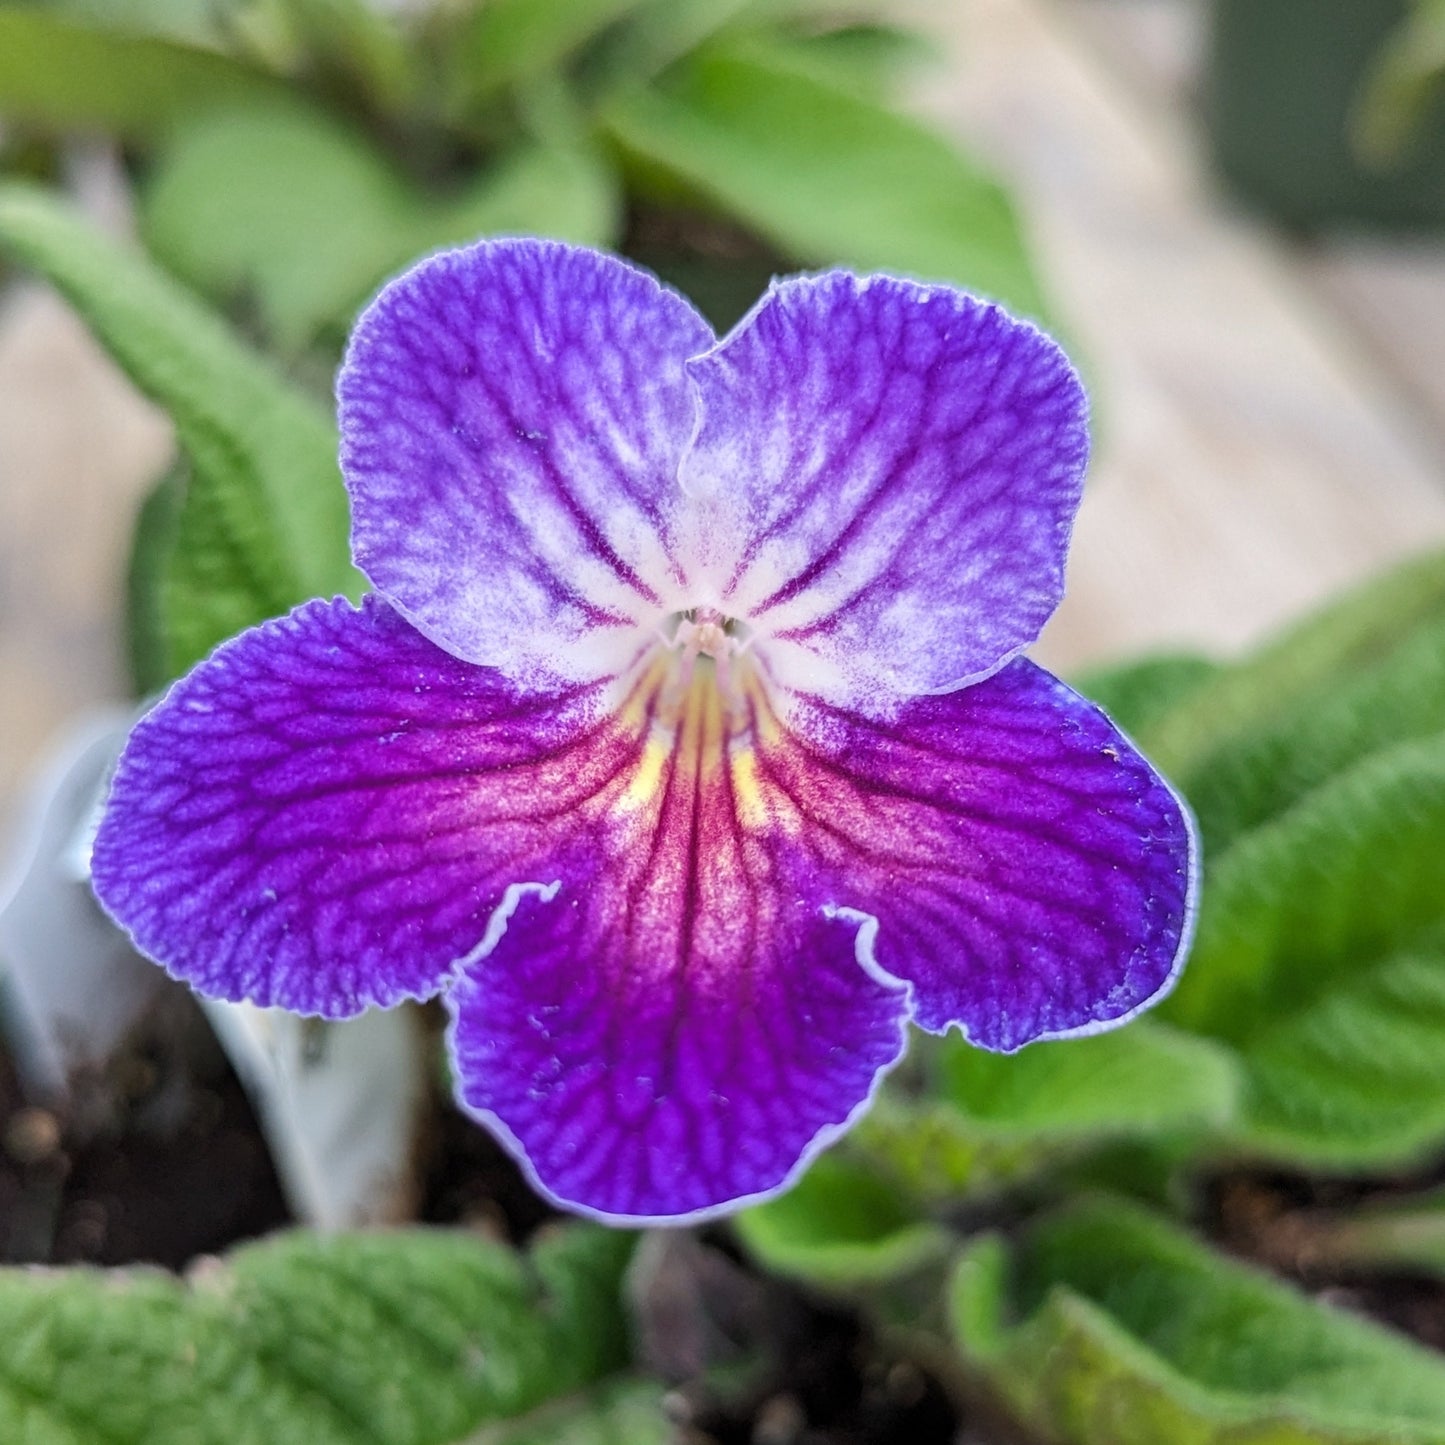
884,482
674,1060
1031,875
512,419
680,1024
327,813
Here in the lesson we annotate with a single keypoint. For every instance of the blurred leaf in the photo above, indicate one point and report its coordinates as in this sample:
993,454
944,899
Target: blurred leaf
61,74
408,1337
192,21
628,1412
1138,694
513,42
1133,1333
1402,81
304,212
868,59
1395,1234
842,1224
1304,663
984,1120
1321,956
358,40
827,176
264,509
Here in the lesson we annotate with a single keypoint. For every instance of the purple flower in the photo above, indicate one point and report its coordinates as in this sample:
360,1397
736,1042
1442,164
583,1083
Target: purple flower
684,746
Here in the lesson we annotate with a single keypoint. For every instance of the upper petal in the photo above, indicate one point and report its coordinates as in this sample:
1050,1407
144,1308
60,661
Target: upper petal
512,418
884,483
327,814
1031,875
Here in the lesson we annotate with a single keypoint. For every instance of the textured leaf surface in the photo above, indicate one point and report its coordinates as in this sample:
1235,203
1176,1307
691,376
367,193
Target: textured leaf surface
401,1338
626,1412
828,176
983,1120
304,213
1306,662
1321,957
263,524
842,1224
1134,1333
64,74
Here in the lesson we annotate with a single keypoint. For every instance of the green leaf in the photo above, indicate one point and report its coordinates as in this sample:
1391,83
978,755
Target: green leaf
1260,773
1321,956
513,42
304,213
1138,694
1306,662
824,174
364,45
1133,1333
1400,85
981,1120
264,493
60,74
842,1224
411,1338
626,1412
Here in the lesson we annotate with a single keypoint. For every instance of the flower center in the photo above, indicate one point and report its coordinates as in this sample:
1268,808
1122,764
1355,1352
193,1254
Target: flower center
705,634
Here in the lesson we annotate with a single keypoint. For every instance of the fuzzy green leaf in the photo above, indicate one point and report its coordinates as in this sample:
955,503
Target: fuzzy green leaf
1133,1333
406,1338
264,500
306,215
62,74
824,174
979,1121
624,1412
1303,664
1321,957
842,1224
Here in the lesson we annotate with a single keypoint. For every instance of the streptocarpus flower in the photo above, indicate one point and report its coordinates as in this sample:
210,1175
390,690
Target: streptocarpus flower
684,745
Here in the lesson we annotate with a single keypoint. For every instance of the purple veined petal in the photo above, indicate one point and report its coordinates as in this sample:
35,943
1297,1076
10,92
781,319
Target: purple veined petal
677,1033
512,418
327,813
900,465
1031,875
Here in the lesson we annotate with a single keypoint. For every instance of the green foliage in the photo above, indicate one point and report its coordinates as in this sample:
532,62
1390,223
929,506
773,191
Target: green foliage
62,74
407,1338
1138,694
1303,665
1132,1334
304,214
626,1412
262,524
843,1224
979,1121
823,173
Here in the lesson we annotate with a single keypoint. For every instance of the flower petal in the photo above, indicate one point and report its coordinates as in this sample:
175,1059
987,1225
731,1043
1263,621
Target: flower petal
643,1074
676,1029
512,416
1031,875
901,465
327,813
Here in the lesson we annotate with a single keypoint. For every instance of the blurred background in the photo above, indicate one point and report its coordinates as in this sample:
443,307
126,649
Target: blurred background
1229,211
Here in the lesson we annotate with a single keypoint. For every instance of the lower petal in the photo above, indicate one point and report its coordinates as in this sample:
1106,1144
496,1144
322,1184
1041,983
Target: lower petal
1032,876
670,1055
